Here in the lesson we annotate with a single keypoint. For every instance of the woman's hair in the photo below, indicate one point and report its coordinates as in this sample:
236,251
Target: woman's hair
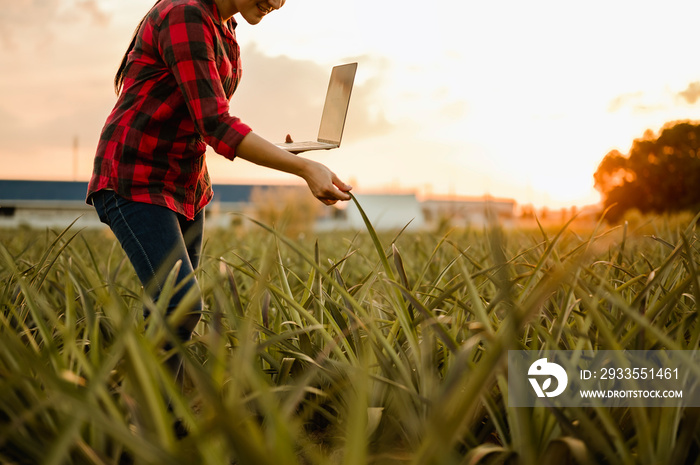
121,72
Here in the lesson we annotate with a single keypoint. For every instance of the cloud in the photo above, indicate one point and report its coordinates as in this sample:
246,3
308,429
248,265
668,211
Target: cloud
280,95
9,129
35,23
641,102
454,110
692,93
90,7
22,18
624,100
277,95
645,102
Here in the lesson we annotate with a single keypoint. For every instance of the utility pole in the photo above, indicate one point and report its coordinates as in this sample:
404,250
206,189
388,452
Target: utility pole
75,158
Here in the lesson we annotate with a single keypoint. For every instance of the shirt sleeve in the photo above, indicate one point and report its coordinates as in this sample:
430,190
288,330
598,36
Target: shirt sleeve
186,43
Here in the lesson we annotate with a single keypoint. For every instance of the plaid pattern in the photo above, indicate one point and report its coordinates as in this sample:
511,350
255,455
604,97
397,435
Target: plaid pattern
179,78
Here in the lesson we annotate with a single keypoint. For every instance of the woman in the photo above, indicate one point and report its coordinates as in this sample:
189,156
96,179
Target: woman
150,182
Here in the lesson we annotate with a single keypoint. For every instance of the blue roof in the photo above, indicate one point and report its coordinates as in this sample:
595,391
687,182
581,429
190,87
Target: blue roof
232,192
12,191
42,190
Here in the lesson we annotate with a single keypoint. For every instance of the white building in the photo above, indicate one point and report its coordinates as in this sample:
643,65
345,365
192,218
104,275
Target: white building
45,204
57,204
469,211
384,211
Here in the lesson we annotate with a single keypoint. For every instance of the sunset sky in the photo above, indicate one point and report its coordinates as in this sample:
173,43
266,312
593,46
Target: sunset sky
505,97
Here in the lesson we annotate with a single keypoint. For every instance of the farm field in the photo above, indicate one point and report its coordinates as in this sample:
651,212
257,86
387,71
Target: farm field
347,348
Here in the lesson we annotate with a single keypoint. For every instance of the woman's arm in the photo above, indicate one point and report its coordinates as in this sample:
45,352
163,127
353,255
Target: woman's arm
324,184
186,45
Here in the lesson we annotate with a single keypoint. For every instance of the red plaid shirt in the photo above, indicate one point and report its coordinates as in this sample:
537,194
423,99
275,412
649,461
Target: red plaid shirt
179,78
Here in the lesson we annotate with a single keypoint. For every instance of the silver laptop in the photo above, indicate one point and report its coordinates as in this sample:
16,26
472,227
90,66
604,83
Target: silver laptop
334,112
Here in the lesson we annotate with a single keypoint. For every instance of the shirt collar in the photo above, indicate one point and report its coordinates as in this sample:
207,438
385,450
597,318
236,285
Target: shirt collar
231,22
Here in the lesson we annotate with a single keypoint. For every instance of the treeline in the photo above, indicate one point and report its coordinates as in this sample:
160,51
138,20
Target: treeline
660,174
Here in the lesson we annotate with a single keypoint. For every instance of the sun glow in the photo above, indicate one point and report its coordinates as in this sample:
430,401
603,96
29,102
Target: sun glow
505,98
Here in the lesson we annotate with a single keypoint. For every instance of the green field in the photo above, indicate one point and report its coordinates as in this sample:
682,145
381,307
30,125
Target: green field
348,348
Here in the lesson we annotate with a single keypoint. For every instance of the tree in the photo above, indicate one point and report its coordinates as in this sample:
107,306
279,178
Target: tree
660,174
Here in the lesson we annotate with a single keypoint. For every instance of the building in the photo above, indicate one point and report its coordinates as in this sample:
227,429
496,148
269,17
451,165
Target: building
385,211
469,211
42,204
57,204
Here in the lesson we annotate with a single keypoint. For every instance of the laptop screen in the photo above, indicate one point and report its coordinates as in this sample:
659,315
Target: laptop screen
337,100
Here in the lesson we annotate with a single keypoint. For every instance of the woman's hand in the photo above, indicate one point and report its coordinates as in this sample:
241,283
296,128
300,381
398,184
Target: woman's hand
317,176
324,184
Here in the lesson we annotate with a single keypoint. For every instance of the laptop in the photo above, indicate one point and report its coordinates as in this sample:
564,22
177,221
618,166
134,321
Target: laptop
335,110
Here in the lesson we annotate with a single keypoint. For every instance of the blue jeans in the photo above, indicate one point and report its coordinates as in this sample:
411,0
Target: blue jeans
155,238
